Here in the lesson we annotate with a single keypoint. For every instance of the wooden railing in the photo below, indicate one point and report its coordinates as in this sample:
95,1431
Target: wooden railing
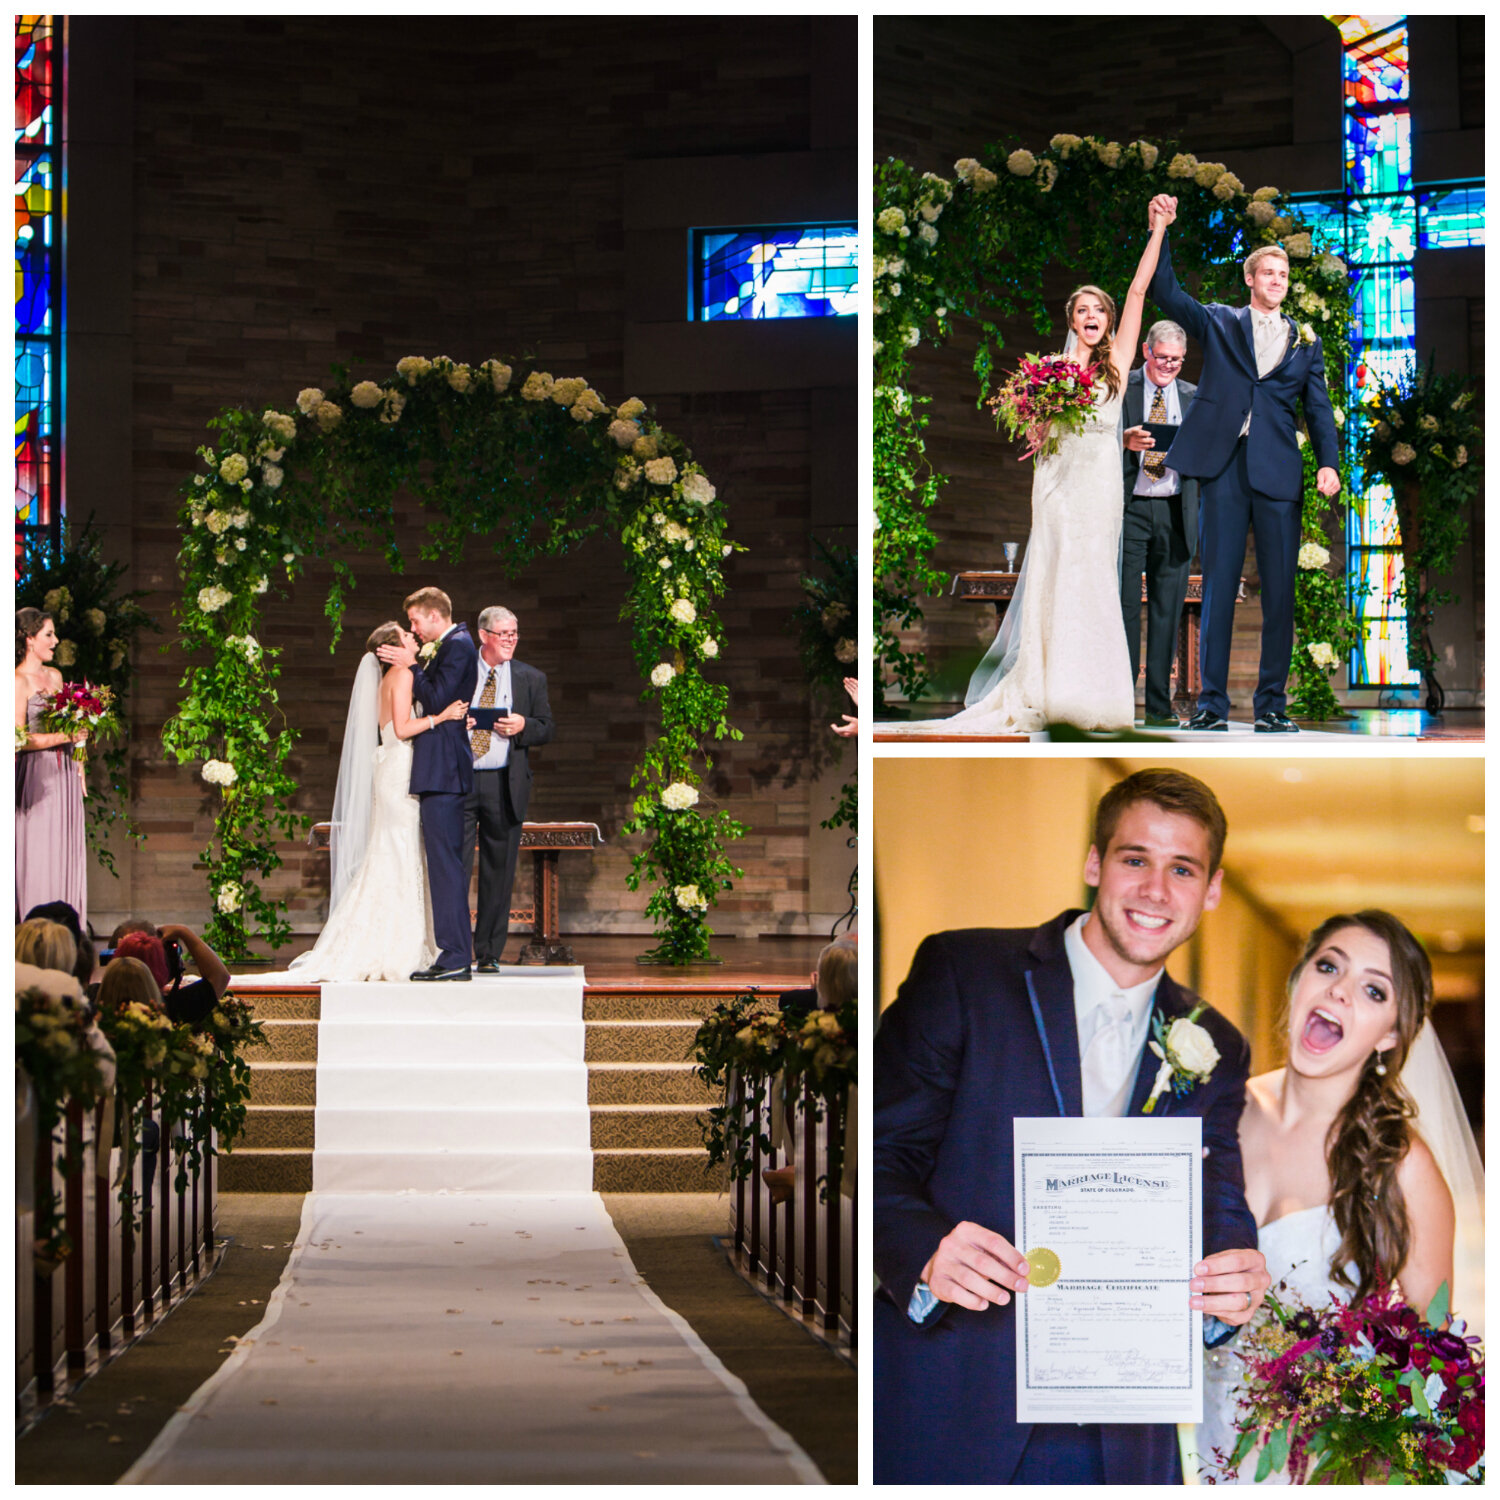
121,1277
801,1252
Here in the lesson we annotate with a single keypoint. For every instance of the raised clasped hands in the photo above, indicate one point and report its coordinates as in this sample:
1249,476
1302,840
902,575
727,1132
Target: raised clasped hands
1220,1282
1161,211
976,1268
1328,482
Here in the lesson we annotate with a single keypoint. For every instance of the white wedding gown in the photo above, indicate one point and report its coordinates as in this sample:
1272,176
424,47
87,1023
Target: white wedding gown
1298,1248
382,925
1068,662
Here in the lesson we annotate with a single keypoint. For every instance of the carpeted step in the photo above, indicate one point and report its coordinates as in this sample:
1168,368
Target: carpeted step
647,1083
687,1005
266,1171
278,1126
639,1041
286,1041
626,1170
283,1083
646,1127
271,1006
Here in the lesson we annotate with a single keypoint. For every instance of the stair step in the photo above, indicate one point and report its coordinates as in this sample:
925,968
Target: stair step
665,1171
646,1127
265,1171
647,1083
270,1006
639,1041
670,1007
277,1127
283,1083
286,1041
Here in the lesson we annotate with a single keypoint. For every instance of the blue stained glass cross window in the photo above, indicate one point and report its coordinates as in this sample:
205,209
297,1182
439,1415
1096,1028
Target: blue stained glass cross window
775,271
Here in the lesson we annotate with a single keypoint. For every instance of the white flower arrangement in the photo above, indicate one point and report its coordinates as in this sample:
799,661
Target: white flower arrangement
261,584
696,489
983,181
690,898
1108,153
1183,164
661,674
1298,246
1207,173
623,432
230,897
460,378
680,796
661,470
1065,144
627,474
683,612
308,399
328,415
1148,153
280,425
498,373
219,773
538,386
1403,453
1265,195
965,167
565,392
246,644
271,476
217,522
890,220
213,598
395,404
366,395
664,564
929,237
1259,214
1323,655
644,447
234,468
1187,1052
412,368
675,534
1227,186
1311,555
629,410
930,211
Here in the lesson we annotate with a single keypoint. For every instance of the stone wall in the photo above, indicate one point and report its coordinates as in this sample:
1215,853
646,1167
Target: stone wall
311,191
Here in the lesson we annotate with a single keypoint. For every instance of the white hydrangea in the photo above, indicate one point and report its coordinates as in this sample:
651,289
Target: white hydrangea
219,773
460,378
1298,246
280,425
261,584
366,395
239,519
328,415
538,386
690,898
565,392
890,220
217,522
661,674
271,476
413,368
1332,265
239,544
710,647
965,167
1259,214
230,896
213,598
644,447
661,470
499,374
1208,173
234,468
624,432
680,796
627,474
1020,163
1065,144
1108,153
1403,453
1310,555
697,490
1323,655
983,181
1338,416
1184,164
675,533
929,237
664,563
1265,195
629,410
727,549
395,404
307,400
683,612
1148,152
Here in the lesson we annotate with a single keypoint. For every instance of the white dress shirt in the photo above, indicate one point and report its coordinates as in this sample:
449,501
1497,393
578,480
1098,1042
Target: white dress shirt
499,752
1170,482
1269,330
1095,993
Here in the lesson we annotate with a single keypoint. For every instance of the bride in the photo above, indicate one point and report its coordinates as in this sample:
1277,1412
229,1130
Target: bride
1060,655
1347,1195
379,911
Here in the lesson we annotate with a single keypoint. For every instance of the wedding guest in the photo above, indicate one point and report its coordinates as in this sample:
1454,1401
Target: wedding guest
51,859
837,974
65,987
189,1004
128,981
47,945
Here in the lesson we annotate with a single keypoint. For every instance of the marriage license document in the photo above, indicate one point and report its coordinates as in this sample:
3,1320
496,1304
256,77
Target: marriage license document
1109,1217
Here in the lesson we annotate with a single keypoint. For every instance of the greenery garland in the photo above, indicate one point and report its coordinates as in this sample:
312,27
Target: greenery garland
1006,217
532,462
1422,438
97,625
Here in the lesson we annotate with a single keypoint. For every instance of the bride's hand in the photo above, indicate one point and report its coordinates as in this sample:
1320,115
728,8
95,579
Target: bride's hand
455,710
1230,1285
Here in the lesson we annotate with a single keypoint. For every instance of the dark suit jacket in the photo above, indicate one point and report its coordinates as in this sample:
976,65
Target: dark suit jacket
1231,389
528,689
440,758
1133,413
957,1058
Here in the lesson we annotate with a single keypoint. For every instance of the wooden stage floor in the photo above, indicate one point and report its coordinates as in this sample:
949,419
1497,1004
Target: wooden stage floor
610,965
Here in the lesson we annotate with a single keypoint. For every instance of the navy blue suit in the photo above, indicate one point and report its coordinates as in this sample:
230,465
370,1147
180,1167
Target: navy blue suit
958,1057
442,775
1255,482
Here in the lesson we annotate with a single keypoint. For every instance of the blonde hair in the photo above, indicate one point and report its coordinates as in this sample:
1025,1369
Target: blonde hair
127,980
429,599
1261,252
838,974
47,945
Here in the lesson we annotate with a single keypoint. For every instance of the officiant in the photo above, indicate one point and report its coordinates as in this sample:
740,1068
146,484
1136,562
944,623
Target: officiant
1160,532
496,807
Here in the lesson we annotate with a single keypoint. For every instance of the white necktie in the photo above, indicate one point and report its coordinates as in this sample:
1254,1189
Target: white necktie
1270,339
1108,1058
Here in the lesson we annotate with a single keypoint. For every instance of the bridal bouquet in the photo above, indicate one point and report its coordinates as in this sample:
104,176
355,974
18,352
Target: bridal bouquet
1345,1395
80,705
1047,396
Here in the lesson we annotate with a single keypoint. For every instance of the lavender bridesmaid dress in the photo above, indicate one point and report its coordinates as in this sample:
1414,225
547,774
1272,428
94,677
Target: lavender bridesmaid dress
51,863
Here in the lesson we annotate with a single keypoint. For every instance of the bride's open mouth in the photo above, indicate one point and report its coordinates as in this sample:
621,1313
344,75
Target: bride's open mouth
1322,1032
1092,330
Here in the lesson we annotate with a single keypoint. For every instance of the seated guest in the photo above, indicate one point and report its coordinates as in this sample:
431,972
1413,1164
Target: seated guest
188,1004
47,945
30,974
837,974
127,981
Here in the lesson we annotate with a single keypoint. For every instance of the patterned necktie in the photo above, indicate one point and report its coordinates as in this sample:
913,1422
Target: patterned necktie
481,739
1156,461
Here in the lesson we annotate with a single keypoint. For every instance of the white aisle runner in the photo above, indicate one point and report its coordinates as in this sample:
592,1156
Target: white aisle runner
458,1308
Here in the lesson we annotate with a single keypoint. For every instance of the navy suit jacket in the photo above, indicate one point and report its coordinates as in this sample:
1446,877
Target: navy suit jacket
441,760
1230,389
957,1058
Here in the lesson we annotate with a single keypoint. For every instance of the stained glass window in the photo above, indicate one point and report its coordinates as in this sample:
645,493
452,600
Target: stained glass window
39,75
780,271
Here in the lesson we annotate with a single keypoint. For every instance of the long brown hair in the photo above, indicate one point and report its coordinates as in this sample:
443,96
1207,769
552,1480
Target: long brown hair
1370,1138
1103,356
28,623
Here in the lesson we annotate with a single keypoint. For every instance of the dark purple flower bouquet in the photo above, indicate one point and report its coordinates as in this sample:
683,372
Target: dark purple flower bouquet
1346,1395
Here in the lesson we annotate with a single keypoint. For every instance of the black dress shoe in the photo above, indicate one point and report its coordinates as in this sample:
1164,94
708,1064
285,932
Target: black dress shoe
487,966
1275,723
1206,718
436,974
1162,721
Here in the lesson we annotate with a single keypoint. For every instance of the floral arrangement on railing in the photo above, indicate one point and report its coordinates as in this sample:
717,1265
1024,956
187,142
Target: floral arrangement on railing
742,1050
1367,1395
97,626
534,462
976,246
1421,435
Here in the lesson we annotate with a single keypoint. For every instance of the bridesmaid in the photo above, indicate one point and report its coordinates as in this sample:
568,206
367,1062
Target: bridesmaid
51,864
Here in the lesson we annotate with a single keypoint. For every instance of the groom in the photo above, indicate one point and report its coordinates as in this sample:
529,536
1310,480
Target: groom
442,770
1240,439
993,1025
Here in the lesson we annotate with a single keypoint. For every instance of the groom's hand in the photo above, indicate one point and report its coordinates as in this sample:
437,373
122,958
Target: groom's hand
975,1267
398,656
1221,1283
1328,482
1164,207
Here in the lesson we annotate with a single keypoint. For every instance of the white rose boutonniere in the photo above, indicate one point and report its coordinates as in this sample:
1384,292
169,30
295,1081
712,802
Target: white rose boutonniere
427,652
1187,1052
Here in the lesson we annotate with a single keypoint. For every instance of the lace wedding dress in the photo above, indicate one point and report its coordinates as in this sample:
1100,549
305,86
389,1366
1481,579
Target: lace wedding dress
381,926
1061,655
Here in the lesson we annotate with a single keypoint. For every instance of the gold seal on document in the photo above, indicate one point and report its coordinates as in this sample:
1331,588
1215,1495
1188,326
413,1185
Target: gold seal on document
1045,1266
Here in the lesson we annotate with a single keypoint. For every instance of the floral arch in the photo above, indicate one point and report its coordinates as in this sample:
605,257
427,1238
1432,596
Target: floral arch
539,462
975,246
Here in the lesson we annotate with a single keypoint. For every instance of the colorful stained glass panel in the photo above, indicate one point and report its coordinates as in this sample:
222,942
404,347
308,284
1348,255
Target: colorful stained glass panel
1382,228
791,271
1451,218
1376,65
34,39
1377,152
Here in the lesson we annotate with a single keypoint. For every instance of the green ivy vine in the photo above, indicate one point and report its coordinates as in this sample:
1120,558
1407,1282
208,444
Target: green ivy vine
531,464
976,246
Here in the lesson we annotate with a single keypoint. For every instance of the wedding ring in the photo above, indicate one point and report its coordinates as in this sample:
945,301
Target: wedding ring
1249,1301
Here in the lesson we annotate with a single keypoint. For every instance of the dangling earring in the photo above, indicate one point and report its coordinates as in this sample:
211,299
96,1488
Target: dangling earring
1380,1063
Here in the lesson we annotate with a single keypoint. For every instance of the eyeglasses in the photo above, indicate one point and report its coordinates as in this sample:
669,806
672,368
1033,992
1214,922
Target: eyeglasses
503,635
1168,359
